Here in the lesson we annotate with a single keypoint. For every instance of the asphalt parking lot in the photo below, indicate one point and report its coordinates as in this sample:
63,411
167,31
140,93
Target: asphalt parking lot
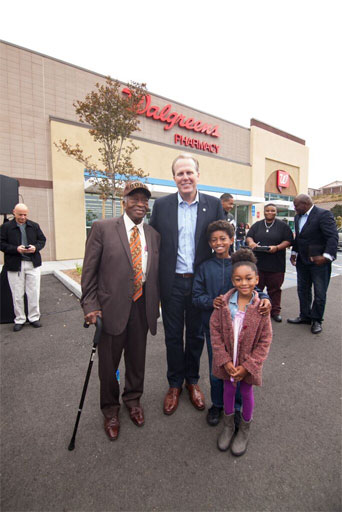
293,462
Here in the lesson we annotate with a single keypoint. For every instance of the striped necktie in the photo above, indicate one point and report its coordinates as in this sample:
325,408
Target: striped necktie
135,246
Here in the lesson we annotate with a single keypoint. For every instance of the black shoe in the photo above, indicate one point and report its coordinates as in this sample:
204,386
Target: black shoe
18,327
298,320
316,327
36,324
214,415
237,420
277,318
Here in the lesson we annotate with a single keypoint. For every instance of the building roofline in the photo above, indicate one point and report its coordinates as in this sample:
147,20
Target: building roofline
124,83
276,131
253,122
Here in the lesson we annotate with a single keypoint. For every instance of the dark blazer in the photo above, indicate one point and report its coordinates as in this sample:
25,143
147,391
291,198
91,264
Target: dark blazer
165,220
319,235
107,275
10,239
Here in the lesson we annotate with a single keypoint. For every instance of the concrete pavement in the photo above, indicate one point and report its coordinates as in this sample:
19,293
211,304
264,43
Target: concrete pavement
293,462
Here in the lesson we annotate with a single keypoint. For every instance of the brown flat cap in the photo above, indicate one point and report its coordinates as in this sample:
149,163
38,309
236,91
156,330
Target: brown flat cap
133,186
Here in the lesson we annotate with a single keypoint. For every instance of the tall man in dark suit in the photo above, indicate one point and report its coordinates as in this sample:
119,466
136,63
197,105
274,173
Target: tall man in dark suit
314,249
182,220
120,284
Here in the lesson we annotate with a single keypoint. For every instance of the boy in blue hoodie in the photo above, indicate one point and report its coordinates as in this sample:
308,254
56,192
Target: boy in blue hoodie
212,280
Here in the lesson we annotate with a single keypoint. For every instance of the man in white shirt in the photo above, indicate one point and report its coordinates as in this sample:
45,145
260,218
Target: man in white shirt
314,249
120,284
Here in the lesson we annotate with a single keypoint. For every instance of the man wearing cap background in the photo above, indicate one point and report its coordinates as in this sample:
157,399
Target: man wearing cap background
21,241
120,284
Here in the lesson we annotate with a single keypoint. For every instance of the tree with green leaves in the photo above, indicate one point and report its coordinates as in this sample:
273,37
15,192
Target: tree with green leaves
112,117
336,210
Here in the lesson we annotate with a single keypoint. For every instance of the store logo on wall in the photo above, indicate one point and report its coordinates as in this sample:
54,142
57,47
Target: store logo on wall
171,118
195,143
283,179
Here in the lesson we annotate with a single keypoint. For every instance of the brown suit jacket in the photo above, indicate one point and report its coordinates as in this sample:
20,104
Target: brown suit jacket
107,276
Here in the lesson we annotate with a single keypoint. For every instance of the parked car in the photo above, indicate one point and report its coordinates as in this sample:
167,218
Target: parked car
339,243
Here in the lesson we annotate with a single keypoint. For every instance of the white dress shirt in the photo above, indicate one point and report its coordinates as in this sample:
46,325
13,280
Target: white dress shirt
129,225
187,219
301,223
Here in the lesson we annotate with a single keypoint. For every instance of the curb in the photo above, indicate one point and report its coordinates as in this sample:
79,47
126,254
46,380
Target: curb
69,283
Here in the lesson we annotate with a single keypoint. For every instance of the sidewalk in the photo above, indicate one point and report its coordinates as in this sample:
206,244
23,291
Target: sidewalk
56,268
172,463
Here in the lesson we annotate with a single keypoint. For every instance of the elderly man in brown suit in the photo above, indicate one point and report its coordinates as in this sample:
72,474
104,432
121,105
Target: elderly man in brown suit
120,284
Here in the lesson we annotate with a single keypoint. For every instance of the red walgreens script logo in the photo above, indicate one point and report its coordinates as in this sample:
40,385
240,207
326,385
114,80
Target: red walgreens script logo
283,179
165,115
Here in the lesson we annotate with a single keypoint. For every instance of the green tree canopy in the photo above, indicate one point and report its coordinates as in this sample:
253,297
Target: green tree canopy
111,117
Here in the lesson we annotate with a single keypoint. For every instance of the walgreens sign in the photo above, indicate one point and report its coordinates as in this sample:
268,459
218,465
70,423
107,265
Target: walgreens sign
165,114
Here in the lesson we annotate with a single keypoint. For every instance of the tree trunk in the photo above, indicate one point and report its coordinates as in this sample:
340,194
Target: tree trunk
103,208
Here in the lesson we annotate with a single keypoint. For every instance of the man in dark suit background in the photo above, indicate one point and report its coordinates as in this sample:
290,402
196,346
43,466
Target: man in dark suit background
182,220
227,201
120,284
314,249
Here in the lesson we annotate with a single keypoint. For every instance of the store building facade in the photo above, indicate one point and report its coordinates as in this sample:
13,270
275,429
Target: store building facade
255,164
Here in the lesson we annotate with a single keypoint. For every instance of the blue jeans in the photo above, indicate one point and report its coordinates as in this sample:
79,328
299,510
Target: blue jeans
183,359
216,385
317,276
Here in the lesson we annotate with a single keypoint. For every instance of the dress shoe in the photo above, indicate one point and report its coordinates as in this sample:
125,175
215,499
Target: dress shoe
316,327
18,327
196,396
137,415
36,324
277,318
112,427
171,400
298,320
214,415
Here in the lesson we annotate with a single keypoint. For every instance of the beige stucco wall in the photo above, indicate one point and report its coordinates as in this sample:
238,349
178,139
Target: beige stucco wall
156,161
68,181
273,165
68,195
267,147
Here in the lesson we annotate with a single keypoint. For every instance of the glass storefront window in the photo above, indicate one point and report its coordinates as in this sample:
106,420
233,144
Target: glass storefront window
242,214
271,197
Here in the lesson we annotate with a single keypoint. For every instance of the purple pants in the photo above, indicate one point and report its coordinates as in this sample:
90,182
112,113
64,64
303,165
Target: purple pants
247,395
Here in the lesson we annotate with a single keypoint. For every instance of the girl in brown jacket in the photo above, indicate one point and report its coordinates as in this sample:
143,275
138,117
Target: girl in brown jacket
241,339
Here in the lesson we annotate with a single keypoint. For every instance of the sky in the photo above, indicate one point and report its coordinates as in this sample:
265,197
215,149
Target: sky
275,61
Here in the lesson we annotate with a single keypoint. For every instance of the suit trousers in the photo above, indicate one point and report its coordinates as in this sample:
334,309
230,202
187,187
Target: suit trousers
133,342
273,282
26,281
183,360
318,276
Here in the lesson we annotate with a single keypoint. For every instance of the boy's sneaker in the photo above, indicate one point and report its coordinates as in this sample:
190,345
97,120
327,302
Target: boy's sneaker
214,415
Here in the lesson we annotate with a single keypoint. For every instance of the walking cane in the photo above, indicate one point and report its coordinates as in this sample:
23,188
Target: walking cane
92,355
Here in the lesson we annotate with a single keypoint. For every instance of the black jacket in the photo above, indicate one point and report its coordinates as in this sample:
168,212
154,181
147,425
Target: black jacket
318,236
10,239
165,220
